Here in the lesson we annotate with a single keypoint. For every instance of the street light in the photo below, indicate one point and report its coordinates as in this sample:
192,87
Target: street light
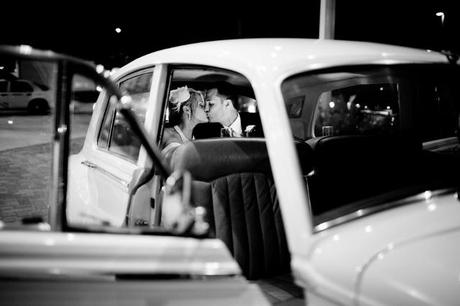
442,15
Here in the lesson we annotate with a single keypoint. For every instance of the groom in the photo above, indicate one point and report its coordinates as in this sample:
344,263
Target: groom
225,120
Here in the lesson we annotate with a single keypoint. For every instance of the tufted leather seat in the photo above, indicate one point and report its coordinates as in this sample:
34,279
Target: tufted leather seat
233,180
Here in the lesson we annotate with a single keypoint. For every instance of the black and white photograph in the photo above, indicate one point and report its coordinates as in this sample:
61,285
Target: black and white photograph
230,153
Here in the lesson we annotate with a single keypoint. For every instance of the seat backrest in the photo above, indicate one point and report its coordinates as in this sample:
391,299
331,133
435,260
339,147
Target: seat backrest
354,167
233,180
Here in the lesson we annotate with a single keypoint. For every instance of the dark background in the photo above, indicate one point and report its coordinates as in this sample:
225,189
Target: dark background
87,29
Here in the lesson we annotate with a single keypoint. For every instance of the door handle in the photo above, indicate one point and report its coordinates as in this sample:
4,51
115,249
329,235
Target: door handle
89,164
120,181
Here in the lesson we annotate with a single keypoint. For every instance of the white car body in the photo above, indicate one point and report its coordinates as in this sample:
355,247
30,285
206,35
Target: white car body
53,268
406,255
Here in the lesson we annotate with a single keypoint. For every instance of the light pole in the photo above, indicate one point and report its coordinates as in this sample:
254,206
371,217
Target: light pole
327,19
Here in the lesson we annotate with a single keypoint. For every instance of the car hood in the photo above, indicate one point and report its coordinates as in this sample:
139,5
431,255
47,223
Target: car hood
423,271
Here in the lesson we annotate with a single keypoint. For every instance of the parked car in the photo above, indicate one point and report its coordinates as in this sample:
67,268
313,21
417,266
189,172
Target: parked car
24,94
352,189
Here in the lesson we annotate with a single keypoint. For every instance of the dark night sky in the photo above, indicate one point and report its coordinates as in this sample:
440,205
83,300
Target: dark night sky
85,30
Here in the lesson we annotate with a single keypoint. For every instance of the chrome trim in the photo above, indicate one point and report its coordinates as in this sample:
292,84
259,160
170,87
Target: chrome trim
371,210
440,144
119,180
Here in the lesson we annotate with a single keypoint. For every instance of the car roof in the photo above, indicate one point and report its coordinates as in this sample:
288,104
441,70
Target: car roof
284,56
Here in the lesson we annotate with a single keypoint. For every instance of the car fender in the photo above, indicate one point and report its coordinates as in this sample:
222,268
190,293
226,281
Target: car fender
422,271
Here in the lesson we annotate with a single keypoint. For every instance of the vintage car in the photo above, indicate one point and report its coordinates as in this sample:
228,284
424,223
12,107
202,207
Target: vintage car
351,190
24,94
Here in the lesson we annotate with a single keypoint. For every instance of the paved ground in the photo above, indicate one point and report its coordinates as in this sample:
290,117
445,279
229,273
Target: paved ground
25,179
25,164
18,129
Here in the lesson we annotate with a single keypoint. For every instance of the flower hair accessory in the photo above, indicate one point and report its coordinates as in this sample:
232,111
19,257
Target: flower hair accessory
178,96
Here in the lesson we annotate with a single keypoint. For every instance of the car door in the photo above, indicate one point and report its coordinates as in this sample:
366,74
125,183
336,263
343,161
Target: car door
20,94
104,172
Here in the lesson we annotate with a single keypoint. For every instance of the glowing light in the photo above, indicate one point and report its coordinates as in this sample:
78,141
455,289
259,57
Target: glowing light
125,100
118,30
2,67
321,226
442,15
427,195
99,88
10,121
388,107
358,105
332,104
100,68
336,237
25,49
251,108
381,88
381,256
62,129
368,229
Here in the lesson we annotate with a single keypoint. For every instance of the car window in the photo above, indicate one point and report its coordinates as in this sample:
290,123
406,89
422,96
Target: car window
357,109
20,86
356,101
115,135
368,126
209,82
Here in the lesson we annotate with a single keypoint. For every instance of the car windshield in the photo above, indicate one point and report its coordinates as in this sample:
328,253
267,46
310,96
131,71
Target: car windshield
376,133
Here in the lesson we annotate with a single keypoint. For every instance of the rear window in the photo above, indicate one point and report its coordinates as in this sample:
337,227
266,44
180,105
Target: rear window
374,100
378,134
